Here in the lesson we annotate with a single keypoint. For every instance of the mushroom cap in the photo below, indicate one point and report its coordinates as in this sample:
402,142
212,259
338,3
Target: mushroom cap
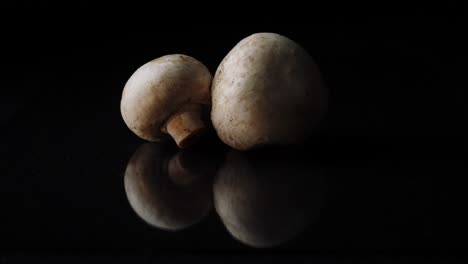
160,88
156,198
267,90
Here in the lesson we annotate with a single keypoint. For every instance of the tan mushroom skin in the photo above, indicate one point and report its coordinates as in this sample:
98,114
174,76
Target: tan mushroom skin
267,90
167,96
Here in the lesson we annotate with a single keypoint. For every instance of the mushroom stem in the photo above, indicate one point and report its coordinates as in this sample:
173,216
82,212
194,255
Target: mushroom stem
186,125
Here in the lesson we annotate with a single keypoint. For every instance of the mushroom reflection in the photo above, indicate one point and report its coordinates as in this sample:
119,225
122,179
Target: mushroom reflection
267,198
168,191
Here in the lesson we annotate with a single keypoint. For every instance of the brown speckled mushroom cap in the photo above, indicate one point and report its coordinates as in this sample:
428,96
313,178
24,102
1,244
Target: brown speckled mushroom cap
161,91
267,90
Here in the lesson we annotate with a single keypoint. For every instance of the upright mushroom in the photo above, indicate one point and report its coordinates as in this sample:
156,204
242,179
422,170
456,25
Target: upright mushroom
167,95
267,90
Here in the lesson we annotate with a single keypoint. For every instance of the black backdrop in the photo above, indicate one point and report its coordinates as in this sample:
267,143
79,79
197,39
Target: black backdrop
393,134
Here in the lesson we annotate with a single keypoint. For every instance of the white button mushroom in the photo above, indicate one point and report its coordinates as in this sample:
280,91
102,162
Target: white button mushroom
267,90
167,95
163,191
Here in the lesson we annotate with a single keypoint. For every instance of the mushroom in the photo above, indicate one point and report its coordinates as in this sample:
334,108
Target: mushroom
266,199
164,190
167,96
267,91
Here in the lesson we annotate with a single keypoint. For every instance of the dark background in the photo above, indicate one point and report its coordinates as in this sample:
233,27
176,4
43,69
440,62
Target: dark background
392,141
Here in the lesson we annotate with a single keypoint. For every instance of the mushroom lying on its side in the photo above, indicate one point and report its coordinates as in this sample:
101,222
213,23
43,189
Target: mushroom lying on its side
167,95
267,91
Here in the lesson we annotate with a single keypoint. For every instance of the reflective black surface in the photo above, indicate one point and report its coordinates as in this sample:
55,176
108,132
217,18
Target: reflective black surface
263,199
380,177
104,196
